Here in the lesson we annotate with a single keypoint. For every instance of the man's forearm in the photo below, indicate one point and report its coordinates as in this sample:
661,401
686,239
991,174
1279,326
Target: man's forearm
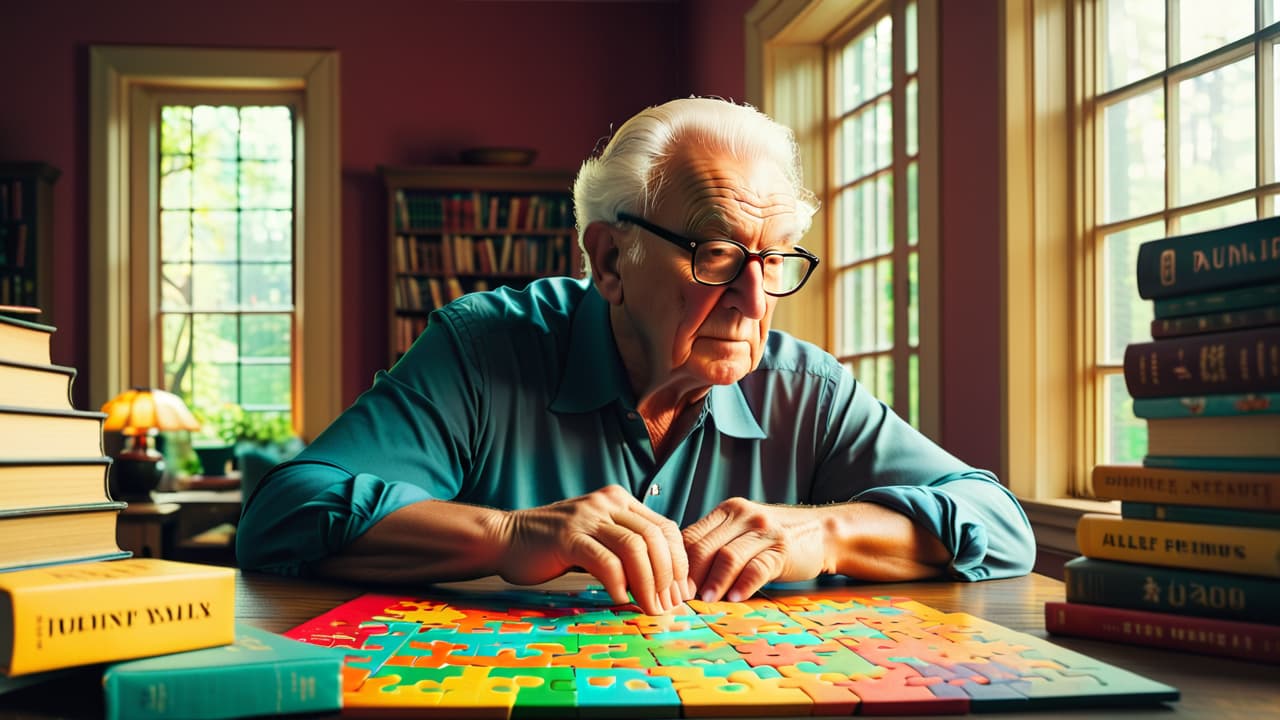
429,541
871,542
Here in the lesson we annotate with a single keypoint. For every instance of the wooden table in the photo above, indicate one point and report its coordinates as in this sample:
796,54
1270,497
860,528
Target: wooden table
1211,687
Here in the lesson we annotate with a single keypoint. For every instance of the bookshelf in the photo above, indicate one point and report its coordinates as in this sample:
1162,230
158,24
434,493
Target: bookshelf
26,234
458,229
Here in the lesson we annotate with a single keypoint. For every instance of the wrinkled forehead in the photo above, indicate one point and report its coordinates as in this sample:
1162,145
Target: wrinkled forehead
713,191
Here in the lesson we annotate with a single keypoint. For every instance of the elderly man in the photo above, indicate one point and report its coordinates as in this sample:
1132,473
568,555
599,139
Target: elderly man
644,425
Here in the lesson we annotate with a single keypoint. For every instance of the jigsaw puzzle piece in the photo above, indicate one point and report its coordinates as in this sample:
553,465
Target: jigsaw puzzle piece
828,697
625,693
742,693
549,692
693,652
891,692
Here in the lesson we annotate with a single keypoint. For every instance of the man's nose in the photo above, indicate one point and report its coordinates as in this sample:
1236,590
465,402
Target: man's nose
747,294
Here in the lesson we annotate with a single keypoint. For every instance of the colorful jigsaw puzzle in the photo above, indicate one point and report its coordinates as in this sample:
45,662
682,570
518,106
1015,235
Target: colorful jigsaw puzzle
537,654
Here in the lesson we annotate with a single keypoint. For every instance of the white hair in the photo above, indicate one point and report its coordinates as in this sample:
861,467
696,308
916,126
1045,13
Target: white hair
626,175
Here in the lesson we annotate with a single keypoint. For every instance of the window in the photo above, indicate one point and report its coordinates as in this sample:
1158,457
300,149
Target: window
1180,105
873,197
1126,120
857,82
142,227
226,315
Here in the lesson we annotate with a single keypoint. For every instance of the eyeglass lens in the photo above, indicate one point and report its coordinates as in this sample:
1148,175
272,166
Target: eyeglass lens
718,263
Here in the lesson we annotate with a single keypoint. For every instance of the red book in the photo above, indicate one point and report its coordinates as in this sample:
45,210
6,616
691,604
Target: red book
1226,362
1227,638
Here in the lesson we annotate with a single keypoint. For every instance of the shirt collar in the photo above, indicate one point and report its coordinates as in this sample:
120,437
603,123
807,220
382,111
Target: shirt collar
594,376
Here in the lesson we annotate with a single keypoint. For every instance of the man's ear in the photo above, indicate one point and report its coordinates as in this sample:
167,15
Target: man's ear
601,243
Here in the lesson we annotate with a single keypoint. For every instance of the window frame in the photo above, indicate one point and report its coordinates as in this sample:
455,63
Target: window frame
123,232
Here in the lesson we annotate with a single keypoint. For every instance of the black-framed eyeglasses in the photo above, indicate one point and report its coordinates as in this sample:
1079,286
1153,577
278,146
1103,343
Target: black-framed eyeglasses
719,261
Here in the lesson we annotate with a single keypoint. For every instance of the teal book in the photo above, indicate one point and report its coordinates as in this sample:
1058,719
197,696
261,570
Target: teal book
1217,301
1202,515
1223,464
1234,256
261,673
1215,322
1226,596
1187,406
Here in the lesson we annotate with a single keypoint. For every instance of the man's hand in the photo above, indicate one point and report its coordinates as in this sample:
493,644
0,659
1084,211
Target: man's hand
608,533
741,545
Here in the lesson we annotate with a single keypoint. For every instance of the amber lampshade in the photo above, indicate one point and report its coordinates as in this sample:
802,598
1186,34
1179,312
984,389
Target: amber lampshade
138,414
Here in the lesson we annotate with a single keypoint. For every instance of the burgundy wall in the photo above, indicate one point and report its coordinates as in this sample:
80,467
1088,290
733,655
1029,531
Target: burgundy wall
422,78
970,228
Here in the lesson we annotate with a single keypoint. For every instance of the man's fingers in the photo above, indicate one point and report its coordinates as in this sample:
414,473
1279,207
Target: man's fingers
593,557
675,551
658,548
632,551
741,565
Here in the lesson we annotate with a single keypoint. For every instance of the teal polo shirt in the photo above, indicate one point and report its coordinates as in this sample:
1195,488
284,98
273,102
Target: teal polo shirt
515,399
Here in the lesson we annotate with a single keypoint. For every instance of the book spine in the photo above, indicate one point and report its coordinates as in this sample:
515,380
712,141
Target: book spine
1215,322
1224,638
1262,403
1227,257
1251,551
1173,590
1200,515
1234,362
229,691
1217,463
1258,491
57,626
1219,301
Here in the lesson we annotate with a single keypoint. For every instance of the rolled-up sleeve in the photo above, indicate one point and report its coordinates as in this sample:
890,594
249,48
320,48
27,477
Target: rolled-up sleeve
405,440
888,462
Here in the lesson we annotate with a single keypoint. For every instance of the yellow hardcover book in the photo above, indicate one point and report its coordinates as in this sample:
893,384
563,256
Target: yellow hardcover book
1210,488
71,615
60,534
40,483
24,341
1197,546
46,387
68,434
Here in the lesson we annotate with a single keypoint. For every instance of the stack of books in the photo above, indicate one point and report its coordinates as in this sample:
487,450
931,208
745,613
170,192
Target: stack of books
158,637
1193,560
55,505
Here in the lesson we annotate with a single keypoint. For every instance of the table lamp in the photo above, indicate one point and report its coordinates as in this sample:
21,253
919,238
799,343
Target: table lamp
138,414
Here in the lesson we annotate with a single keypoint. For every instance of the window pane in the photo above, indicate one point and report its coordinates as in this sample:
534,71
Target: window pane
175,344
913,368
216,337
866,142
213,286
175,287
266,133
884,214
1217,144
1236,212
913,54
175,182
1205,26
913,118
1127,317
266,184
884,304
865,68
216,132
266,235
913,302
214,235
175,235
266,285
175,131
848,316
214,184
861,211
1125,436
913,203
1133,41
264,385
884,379
265,336
1133,157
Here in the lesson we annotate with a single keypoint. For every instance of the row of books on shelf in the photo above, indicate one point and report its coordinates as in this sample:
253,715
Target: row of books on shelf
423,294
1193,560
15,244
451,253
406,329
11,200
16,287
479,211
157,638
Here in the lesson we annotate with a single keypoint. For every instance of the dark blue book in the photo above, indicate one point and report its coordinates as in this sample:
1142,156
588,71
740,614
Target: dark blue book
1217,301
1234,256
1202,515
